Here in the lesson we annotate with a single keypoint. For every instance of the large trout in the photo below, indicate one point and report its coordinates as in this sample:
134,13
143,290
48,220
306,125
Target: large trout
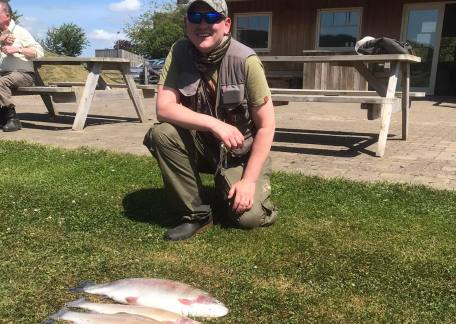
165,294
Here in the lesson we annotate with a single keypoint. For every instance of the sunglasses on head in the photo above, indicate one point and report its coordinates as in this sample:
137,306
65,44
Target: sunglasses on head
210,17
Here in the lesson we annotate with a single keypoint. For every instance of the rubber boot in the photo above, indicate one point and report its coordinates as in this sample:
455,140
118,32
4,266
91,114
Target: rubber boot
12,122
2,116
187,229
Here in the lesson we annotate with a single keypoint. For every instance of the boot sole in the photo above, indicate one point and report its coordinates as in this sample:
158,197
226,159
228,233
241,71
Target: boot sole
18,127
12,130
201,229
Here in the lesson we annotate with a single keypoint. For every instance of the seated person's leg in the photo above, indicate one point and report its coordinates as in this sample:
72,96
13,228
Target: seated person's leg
10,122
262,213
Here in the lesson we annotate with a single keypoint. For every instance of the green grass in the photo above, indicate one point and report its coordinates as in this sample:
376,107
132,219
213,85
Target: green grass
340,252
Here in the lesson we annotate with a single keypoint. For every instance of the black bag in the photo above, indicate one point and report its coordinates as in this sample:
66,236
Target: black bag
385,45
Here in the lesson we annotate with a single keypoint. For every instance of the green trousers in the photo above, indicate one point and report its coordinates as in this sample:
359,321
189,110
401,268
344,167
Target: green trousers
182,155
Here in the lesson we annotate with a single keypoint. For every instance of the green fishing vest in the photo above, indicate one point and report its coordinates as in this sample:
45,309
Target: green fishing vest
232,106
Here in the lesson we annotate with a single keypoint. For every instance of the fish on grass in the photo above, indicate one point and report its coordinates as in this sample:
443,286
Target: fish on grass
86,318
165,294
149,312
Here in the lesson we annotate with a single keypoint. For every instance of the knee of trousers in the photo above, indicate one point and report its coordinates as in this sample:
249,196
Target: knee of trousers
256,217
161,135
249,220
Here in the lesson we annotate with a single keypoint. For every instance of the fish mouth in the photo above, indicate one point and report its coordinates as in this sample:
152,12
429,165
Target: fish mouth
218,310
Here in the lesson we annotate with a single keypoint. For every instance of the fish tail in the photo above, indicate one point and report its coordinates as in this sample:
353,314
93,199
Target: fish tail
82,286
56,316
76,303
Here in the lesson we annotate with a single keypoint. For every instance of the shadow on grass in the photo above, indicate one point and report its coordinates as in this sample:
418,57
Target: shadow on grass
152,206
149,206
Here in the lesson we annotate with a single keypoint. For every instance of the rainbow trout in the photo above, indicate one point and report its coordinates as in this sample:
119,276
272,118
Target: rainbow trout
149,312
165,294
92,318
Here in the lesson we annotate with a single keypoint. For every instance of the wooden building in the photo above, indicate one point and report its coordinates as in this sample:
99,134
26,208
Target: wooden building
306,27
310,27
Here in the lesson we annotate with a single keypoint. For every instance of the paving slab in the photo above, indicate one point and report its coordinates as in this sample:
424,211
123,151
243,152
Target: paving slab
328,140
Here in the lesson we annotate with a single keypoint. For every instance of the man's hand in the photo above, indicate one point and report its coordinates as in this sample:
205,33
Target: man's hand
9,50
7,39
229,135
242,194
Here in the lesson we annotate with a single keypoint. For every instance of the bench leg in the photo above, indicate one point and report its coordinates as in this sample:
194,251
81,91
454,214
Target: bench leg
133,92
387,110
87,97
49,105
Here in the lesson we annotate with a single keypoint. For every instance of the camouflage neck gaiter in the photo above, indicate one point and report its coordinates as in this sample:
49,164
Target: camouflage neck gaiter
204,62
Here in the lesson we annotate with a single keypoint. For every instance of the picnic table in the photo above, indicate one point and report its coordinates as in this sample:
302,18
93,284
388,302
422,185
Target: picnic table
95,66
383,100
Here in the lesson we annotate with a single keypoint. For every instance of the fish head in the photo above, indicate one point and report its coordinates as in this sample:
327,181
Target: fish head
210,310
204,305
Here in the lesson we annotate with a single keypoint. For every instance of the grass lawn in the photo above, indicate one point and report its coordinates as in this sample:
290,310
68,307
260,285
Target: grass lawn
340,252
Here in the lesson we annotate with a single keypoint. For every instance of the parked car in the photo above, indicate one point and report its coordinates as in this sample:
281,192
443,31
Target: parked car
155,68
136,72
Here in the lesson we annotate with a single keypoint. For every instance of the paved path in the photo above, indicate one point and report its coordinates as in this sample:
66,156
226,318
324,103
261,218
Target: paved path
329,140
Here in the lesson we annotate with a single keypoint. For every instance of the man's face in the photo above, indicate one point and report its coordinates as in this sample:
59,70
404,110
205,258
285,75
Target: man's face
4,18
204,36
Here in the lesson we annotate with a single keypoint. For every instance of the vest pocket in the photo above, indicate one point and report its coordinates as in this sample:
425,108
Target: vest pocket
188,84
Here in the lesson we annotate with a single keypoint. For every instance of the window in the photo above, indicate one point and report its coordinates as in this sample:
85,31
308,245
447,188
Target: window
253,30
338,28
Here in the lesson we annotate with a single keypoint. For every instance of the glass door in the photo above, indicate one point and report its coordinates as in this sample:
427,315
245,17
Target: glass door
445,83
422,28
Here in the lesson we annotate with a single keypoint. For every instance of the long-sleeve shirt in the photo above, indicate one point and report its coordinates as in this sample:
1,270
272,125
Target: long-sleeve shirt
18,62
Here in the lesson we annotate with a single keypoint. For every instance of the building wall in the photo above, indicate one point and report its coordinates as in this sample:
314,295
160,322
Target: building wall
294,21
294,27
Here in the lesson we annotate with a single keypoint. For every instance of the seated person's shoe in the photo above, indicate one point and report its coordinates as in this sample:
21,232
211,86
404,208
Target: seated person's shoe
12,125
2,117
186,230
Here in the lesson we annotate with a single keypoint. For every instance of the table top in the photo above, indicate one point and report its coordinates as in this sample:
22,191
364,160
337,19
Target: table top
344,58
78,60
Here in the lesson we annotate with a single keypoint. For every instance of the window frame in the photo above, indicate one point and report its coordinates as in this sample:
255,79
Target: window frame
261,13
317,33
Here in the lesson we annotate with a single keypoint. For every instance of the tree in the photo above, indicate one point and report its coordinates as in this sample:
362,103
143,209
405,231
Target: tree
68,39
16,16
123,44
153,33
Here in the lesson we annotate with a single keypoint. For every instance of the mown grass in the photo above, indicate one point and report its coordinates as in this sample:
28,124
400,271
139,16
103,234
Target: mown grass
341,251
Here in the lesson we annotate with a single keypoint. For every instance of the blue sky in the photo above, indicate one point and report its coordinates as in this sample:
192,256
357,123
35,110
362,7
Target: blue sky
102,20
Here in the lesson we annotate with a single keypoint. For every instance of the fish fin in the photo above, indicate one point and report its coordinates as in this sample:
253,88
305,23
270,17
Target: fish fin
75,303
82,286
185,301
56,316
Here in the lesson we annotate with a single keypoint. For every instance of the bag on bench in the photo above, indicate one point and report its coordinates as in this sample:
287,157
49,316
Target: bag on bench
384,45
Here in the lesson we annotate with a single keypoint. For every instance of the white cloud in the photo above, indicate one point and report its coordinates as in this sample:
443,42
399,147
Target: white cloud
102,34
125,5
35,26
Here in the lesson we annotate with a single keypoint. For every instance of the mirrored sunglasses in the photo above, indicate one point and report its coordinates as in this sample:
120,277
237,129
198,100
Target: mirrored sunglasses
209,17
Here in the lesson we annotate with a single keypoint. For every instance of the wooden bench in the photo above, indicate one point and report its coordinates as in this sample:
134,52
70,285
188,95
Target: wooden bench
369,100
292,78
67,92
49,95
148,90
